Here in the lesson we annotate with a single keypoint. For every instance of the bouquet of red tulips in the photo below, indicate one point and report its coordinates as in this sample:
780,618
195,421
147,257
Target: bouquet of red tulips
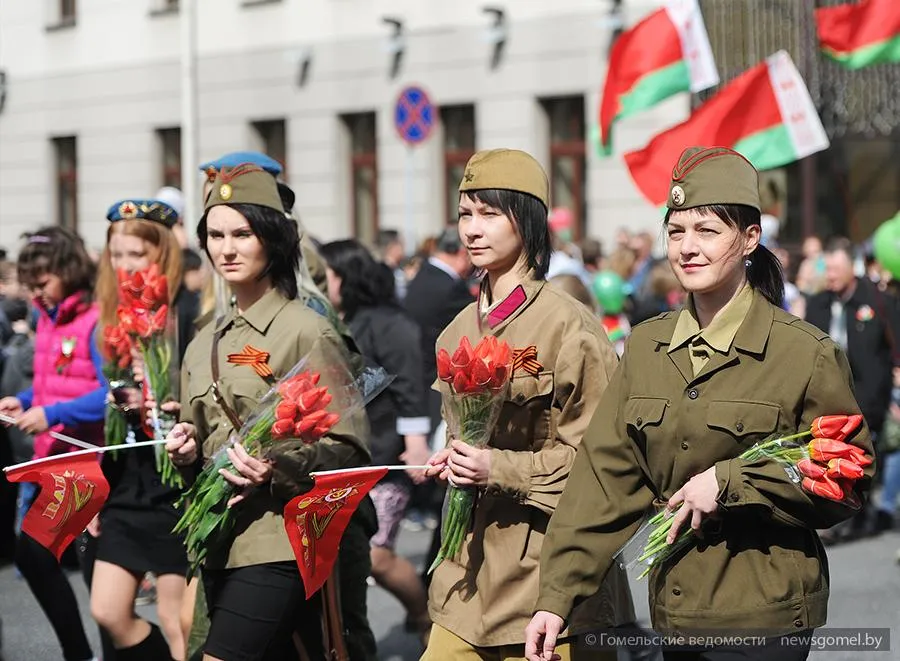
296,408
826,467
117,370
478,379
143,314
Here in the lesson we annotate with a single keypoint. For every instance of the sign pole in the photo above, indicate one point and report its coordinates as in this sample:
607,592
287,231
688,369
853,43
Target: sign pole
414,119
409,226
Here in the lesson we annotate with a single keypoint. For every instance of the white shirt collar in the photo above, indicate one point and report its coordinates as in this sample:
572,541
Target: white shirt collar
435,262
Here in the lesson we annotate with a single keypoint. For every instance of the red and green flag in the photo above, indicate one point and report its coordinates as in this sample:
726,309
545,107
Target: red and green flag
766,114
666,53
860,34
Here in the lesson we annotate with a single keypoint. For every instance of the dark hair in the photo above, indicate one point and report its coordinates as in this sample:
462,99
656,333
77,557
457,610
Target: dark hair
840,244
288,197
764,273
365,282
57,251
530,216
279,237
191,260
448,241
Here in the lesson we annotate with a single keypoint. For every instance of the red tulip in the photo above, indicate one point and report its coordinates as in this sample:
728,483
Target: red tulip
282,428
463,354
809,468
835,427
286,410
823,487
308,400
481,374
824,449
845,468
444,369
461,383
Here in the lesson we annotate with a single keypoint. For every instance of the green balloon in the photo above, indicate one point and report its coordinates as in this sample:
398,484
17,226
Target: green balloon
886,243
609,290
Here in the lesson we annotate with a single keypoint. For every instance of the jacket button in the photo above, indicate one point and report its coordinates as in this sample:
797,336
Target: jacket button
520,398
693,394
684,446
639,421
739,426
798,623
734,498
676,592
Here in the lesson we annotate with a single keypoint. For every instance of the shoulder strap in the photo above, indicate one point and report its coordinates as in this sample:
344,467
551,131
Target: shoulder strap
229,412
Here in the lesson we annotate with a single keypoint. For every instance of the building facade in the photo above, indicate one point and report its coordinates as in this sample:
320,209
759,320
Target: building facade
92,108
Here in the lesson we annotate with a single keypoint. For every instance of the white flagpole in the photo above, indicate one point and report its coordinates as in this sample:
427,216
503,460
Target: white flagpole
60,437
362,469
93,450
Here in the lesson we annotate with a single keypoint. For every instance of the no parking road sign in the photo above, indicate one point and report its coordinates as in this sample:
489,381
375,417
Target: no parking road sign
414,115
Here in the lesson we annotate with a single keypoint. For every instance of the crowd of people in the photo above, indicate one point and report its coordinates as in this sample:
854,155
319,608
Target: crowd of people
648,375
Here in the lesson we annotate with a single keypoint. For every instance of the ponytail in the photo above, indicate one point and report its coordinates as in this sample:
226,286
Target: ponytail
765,275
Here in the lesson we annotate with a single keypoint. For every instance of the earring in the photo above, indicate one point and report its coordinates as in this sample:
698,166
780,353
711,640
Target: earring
748,263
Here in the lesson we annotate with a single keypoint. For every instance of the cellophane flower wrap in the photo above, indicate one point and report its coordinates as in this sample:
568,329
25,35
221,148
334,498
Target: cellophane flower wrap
478,380
117,371
826,467
297,408
143,313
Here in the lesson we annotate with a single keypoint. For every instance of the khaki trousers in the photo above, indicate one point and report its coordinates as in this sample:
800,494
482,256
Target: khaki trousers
446,646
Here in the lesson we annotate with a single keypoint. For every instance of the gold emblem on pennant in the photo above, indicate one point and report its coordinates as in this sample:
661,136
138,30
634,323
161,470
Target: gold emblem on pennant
677,196
225,192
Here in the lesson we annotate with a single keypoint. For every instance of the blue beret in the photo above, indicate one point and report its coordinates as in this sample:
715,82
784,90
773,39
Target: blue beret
154,210
232,160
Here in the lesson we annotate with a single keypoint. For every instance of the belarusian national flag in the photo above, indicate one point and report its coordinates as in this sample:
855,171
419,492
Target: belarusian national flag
666,53
861,34
766,114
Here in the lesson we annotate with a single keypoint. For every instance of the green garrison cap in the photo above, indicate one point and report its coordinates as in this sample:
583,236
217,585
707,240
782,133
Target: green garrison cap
714,175
245,184
506,169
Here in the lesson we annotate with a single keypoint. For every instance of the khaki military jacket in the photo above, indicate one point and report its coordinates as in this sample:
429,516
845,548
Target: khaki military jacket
288,330
487,596
761,565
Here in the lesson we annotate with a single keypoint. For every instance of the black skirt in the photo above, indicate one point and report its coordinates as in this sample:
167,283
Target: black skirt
137,520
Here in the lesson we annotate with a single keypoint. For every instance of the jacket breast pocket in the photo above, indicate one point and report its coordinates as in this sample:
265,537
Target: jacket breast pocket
525,420
643,418
747,422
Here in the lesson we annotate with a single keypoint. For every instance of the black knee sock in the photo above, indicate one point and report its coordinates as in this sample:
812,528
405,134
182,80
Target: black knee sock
153,648
53,592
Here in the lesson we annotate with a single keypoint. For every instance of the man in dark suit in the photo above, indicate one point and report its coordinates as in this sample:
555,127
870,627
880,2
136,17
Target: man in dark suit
865,323
435,296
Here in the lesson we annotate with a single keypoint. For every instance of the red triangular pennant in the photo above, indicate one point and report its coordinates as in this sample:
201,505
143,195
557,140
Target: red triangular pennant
73,490
315,521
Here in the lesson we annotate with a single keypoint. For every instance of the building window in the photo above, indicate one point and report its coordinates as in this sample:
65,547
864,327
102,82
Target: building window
66,11
66,183
363,176
170,156
459,144
565,117
271,137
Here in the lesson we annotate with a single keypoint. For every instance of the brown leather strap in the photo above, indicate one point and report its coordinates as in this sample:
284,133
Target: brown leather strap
332,622
229,412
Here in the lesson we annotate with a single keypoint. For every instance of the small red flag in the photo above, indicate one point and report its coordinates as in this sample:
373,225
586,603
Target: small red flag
73,490
315,521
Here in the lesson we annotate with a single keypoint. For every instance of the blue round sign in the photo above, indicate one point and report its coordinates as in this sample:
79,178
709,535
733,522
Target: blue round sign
414,115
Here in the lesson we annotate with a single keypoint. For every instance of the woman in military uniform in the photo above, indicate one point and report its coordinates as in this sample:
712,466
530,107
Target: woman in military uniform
481,601
254,592
694,390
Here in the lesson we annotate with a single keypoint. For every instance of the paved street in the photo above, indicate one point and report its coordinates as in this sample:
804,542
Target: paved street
865,593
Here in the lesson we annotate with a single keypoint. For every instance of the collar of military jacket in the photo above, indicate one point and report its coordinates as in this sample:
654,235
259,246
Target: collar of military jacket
259,315
501,312
721,332
751,336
